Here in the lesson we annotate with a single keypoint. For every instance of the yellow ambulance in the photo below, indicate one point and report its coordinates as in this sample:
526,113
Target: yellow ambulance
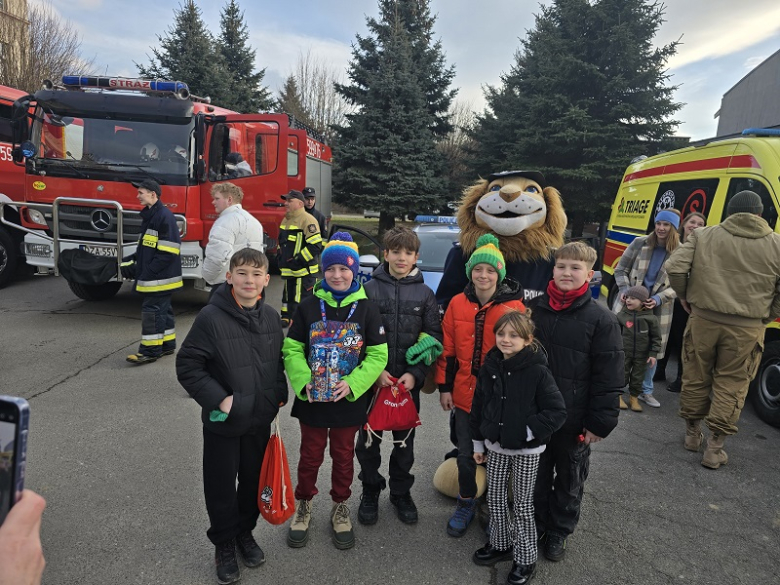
703,178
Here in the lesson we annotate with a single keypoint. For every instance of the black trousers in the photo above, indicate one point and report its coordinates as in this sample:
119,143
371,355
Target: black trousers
401,459
232,510
467,467
675,342
560,482
295,290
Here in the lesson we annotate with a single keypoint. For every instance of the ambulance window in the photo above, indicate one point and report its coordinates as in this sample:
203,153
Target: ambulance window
741,184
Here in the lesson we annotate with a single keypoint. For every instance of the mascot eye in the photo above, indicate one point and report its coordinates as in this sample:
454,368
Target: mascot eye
496,188
531,189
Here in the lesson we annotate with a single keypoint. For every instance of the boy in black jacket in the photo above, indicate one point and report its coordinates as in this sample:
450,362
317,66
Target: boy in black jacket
231,364
411,318
585,352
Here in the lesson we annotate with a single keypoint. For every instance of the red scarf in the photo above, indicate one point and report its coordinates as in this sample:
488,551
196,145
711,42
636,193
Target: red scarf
560,300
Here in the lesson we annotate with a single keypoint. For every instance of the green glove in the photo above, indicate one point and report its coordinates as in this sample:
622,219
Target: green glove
217,415
427,349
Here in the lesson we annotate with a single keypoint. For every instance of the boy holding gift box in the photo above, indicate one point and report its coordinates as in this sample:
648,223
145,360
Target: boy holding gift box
334,352
411,318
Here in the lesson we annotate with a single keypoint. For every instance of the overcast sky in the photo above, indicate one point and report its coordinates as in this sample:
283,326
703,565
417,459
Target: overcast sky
722,40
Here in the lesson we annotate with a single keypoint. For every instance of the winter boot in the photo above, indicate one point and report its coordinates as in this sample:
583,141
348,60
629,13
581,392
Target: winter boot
343,535
368,511
693,434
298,534
227,563
623,405
462,517
714,455
405,508
635,406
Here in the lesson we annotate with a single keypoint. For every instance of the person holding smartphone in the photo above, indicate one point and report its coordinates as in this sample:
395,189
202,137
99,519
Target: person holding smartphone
21,552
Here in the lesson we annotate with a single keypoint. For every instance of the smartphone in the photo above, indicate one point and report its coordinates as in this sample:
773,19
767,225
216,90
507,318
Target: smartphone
14,420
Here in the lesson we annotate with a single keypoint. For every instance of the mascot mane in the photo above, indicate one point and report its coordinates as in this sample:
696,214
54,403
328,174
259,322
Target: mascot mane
530,244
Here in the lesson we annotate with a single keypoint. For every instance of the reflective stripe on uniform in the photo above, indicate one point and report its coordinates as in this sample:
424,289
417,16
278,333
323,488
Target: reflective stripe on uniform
315,239
159,285
307,255
150,238
298,288
288,273
171,247
152,340
169,335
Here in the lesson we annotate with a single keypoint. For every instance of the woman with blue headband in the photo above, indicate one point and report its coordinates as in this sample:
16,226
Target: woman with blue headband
642,264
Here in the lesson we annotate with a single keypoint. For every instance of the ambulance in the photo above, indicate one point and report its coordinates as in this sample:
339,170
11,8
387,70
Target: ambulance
702,177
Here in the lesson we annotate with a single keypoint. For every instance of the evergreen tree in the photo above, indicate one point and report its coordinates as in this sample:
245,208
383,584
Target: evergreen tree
188,53
246,93
289,101
386,153
587,93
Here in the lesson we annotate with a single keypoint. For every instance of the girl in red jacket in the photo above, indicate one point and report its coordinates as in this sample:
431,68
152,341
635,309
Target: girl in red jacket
468,336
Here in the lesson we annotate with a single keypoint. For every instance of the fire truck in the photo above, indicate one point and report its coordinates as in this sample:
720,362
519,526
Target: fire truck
11,186
90,138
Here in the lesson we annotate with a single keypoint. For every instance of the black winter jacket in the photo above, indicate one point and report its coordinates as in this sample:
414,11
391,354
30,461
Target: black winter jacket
408,308
157,257
514,394
585,352
232,350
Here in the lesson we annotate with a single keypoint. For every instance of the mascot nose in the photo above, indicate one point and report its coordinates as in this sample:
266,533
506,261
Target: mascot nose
509,192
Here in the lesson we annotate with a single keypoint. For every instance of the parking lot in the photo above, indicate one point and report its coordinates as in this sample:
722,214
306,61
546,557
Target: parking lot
116,449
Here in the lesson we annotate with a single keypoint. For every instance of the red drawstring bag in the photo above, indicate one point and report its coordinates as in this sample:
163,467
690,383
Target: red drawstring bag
392,409
275,496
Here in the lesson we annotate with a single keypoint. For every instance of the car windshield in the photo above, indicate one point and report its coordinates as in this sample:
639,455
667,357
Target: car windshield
96,148
434,247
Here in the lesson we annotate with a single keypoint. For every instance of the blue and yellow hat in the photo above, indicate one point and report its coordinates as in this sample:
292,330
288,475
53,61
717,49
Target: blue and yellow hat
341,249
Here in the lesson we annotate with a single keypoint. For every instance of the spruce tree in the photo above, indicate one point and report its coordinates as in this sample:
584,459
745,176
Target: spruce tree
289,101
245,94
386,155
188,53
587,93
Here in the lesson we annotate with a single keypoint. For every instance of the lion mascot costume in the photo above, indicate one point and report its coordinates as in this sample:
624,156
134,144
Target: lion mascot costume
527,217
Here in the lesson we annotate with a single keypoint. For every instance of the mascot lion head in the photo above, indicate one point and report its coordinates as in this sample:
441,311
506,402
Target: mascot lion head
526,216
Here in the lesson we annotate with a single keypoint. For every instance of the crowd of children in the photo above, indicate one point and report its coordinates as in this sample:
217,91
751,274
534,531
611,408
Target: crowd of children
529,393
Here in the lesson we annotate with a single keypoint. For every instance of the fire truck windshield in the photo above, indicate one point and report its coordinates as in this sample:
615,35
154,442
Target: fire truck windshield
99,148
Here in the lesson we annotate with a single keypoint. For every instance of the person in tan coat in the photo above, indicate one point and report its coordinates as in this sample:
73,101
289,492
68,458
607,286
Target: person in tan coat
728,278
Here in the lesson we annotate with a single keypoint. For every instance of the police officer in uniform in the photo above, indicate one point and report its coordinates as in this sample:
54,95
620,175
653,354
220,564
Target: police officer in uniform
310,199
300,243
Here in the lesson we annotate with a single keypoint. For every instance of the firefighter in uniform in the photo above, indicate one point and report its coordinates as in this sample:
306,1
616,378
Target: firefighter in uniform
300,243
156,269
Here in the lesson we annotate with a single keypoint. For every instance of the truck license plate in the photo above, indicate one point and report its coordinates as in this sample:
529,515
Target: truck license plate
98,250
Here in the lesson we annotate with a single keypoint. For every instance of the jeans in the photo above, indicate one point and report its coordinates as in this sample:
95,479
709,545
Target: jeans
647,383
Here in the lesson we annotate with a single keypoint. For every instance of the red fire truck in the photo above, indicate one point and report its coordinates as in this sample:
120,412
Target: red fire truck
90,137
11,186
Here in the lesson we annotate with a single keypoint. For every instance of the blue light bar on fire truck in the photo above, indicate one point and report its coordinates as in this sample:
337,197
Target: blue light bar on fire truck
436,219
178,88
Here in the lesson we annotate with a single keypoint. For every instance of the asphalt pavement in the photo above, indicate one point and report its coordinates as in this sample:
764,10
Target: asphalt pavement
116,451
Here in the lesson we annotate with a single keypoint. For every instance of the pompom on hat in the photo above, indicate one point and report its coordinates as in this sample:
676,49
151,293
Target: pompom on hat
487,252
341,249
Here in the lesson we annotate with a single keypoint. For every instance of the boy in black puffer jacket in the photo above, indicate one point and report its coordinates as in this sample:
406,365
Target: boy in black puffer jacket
231,364
585,352
409,313
641,342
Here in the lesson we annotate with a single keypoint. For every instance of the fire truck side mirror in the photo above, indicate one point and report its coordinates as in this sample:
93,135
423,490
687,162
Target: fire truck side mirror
16,155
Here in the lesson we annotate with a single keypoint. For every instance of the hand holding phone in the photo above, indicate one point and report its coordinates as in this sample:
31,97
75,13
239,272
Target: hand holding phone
21,553
14,420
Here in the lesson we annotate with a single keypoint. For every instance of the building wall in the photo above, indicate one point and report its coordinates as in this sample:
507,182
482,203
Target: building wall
753,102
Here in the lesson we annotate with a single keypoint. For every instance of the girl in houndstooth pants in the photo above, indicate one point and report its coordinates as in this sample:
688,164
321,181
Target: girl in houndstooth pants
517,407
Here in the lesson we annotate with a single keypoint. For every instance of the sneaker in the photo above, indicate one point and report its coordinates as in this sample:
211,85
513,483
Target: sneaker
404,508
139,358
250,552
462,517
554,547
227,564
343,535
298,534
650,400
368,511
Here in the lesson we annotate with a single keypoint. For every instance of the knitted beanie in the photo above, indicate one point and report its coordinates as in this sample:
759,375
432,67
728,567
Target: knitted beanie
427,349
340,249
639,292
487,252
745,202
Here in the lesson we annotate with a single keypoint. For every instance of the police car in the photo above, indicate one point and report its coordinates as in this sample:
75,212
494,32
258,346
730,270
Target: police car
437,233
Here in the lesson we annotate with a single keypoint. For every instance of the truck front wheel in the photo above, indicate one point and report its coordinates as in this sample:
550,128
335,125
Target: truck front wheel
95,292
765,388
8,257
